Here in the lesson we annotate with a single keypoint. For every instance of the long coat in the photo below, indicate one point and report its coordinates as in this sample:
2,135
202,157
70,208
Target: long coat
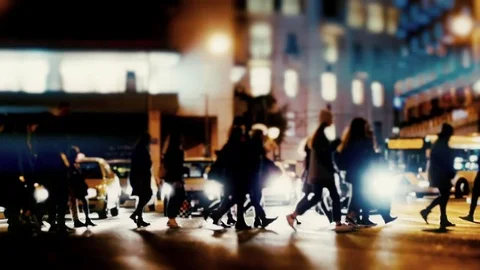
140,173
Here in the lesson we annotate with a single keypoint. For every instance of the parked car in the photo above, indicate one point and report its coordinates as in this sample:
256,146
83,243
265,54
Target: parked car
121,167
103,186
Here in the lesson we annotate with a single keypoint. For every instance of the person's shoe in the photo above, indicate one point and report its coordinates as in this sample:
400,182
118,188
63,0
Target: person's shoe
133,217
257,223
65,229
353,223
339,228
389,219
141,223
291,221
424,213
172,224
447,224
78,224
242,227
267,221
90,223
468,218
231,221
222,224
368,223
298,221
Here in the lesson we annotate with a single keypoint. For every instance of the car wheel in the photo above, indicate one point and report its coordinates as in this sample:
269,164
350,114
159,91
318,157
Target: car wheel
419,195
461,188
122,201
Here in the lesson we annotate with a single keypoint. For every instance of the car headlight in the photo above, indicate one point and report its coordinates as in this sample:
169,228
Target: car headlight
92,193
213,190
383,183
40,193
280,184
423,184
166,190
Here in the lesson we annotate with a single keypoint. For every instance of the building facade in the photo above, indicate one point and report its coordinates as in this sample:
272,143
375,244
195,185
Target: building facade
313,54
438,67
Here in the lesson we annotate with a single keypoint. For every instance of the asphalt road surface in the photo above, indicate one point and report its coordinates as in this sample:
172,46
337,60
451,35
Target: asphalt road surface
408,243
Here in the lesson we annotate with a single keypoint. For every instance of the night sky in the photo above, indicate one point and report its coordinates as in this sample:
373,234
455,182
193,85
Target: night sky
57,20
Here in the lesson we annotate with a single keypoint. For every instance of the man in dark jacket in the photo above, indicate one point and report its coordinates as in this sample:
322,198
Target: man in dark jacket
441,173
52,164
321,175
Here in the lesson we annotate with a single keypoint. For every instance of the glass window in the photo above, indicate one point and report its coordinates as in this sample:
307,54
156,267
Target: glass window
260,40
23,71
328,82
260,6
356,14
357,59
392,23
260,80
358,90
291,7
292,47
195,169
290,132
466,58
377,94
291,83
376,20
331,52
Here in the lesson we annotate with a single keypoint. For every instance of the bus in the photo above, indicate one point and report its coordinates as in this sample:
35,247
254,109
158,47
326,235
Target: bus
410,156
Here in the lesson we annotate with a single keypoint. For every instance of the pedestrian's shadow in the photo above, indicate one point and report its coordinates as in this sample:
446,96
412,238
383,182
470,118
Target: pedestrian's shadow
245,236
437,230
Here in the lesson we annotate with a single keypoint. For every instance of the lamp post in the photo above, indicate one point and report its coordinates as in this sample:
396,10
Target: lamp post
218,44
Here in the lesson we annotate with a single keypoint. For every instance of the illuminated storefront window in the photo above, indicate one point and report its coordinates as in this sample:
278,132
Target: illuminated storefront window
260,6
291,7
358,92
291,83
260,80
377,94
328,84
260,40
376,20
23,71
356,14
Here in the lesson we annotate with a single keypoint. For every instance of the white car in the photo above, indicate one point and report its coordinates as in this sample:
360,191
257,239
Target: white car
103,186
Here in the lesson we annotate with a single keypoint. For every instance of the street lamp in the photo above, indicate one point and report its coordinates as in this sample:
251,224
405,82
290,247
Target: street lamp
462,24
217,44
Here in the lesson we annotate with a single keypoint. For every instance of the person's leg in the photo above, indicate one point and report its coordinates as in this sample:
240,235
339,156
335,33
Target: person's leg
475,195
336,207
445,196
86,211
73,205
62,202
174,206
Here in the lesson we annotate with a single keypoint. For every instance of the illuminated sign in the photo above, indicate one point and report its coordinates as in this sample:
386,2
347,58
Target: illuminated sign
405,143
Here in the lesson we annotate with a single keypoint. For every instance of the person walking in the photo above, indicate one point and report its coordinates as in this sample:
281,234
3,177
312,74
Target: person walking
173,159
355,154
78,190
140,177
321,175
440,173
475,195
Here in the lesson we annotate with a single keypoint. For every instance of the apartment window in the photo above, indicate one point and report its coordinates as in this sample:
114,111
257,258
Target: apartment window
358,92
331,50
260,80
377,94
356,14
291,83
357,59
260,40
292,45
466,58
376,18
291,7
392,20
260,6
328,84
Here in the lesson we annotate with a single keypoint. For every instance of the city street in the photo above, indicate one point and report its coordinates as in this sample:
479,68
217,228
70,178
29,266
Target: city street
408,243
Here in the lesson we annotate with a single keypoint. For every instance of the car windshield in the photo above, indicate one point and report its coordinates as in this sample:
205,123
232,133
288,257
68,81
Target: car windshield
408,160
121,169
91,170
195,169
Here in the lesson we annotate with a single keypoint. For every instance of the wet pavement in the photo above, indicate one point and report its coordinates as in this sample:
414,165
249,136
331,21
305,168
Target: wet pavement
408,243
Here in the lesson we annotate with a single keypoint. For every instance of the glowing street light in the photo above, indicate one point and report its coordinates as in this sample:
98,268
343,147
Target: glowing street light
219,44
462,25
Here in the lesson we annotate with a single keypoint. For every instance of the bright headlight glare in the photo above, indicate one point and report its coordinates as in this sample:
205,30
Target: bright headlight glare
40,194
384,183
280,184
129,190
213,190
